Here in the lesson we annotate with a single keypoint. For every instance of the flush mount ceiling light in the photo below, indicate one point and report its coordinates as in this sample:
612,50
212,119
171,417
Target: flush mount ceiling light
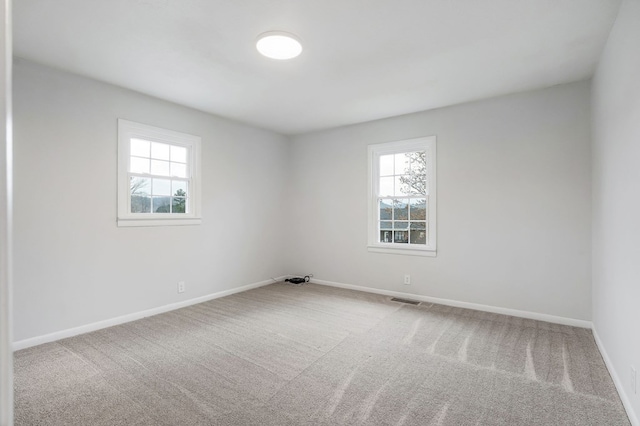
278,45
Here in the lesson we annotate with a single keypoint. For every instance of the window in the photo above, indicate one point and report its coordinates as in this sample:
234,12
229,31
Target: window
158,176
402,206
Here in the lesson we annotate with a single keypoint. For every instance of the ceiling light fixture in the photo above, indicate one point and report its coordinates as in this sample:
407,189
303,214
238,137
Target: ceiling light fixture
278,45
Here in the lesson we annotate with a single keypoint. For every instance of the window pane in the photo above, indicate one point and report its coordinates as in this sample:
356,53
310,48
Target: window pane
139,165
178,205
386,236
140,204
179,170
412,184
386,165
140,186
418,225
386,186
160,151
400,236
418,184
386,225
401,186
161,204
161,187
160,168
401,164
140,148
400,225
179,154
425,191
401,209
179,188
386,209
418,237
418,208
419,162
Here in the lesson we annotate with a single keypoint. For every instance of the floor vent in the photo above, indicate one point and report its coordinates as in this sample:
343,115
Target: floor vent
410,302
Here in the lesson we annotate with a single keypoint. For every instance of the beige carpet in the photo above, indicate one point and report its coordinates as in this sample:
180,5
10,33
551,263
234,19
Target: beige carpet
314,355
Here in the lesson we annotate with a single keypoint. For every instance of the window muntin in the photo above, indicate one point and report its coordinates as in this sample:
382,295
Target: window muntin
402,204
158,176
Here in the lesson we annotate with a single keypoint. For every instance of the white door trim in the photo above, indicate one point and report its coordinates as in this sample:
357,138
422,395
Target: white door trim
6,185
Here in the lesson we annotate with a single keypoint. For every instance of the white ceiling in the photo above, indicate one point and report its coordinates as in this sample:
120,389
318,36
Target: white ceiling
362,59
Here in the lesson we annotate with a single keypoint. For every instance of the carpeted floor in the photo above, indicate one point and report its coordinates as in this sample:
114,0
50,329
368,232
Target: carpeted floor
314,355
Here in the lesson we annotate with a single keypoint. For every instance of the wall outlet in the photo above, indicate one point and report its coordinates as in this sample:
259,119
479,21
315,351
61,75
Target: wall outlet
407,279
634,389
181,287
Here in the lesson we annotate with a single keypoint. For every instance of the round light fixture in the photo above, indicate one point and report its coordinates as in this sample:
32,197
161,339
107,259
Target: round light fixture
278,45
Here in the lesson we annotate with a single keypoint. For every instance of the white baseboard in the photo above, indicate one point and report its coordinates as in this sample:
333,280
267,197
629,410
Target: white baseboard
51,337
38,340
478,307
624,397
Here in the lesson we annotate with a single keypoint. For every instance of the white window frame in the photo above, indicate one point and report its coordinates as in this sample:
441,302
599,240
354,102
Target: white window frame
128,130
428,144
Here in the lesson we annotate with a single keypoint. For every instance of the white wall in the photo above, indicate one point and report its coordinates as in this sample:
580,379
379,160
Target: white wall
514,203
616,201
513,200
73,265
6,355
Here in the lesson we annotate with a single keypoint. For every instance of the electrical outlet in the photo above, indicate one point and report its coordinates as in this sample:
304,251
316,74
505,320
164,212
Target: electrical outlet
407,279
633,380
181,287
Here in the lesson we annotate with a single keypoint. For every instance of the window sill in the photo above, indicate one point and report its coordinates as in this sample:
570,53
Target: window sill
402,251
159,222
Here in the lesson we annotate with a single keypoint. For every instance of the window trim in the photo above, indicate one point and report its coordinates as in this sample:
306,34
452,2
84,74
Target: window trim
128,130
426,143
